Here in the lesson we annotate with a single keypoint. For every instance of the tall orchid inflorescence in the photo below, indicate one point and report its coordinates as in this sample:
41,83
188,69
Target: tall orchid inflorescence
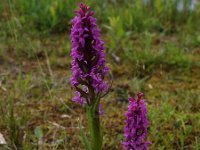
88,57
137,123
88,70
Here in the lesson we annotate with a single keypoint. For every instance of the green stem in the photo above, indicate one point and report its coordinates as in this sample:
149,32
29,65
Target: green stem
95,128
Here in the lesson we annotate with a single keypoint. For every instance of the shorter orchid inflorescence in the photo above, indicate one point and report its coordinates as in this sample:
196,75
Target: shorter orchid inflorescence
137,123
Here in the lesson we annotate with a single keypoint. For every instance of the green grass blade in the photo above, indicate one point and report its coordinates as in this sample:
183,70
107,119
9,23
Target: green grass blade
84,137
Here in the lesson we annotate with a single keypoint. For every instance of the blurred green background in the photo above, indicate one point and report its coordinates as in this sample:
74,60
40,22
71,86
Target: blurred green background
152,46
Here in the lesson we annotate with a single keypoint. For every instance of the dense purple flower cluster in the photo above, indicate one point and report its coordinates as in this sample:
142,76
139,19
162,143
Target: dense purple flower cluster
137,123
88,57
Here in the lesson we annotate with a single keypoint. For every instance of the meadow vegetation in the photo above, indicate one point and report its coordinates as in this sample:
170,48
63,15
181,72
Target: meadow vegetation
151,46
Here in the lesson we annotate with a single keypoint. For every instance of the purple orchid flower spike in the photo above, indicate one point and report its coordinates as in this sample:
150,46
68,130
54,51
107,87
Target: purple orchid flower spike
88,57
135,131
88,71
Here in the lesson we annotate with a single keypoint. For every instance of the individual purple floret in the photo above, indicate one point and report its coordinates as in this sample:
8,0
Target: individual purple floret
88,57
137,123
